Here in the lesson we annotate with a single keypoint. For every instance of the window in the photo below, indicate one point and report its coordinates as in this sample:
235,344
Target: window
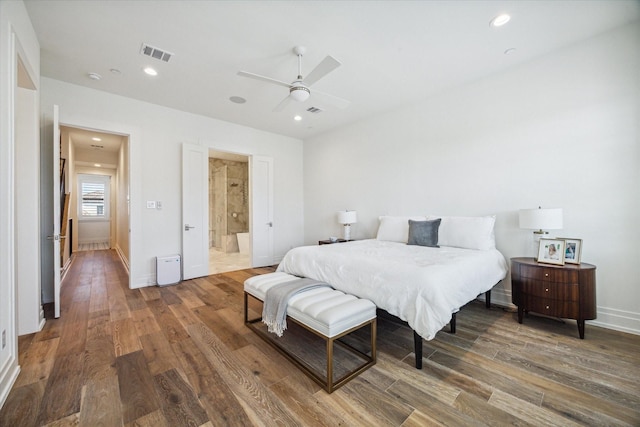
93,200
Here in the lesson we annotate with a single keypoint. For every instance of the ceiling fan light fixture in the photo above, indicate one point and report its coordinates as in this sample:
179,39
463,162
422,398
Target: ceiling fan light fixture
500,20
299,93
150,71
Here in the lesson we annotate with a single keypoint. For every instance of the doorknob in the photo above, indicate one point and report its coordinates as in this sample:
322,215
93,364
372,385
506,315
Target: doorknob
270,224
188,227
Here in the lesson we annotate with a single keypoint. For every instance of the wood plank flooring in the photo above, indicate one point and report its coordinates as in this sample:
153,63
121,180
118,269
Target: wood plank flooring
181,356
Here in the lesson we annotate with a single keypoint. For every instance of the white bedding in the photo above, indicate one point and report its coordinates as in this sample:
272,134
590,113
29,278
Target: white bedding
421,285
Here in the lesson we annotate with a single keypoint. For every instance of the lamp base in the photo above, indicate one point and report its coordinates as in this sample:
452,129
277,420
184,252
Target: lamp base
347,232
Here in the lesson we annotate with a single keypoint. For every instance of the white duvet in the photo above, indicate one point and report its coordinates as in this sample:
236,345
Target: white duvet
422,286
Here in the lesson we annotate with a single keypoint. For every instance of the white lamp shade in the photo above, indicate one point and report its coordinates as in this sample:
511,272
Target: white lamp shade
541,219
347,217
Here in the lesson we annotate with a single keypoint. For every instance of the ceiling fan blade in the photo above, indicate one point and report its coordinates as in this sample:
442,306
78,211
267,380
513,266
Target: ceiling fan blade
283,104
327,65
263,78
335,101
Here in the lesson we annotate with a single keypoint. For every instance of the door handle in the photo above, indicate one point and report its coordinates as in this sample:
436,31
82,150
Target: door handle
188,227
54,237
270,224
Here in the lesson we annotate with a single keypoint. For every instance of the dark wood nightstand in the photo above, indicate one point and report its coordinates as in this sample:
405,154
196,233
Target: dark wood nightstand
328,242
566,291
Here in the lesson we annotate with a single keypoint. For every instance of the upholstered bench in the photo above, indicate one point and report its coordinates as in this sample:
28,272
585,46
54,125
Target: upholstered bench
327,313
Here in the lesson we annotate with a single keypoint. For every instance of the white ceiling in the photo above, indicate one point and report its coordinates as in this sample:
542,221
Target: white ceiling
393,53
83,139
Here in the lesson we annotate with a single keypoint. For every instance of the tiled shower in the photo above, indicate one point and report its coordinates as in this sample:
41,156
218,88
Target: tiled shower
228,204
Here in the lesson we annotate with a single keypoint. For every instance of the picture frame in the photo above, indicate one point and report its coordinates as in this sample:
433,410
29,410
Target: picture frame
552,251
573,250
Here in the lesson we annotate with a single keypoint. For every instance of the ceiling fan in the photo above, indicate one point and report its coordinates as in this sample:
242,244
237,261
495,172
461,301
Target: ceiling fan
300,88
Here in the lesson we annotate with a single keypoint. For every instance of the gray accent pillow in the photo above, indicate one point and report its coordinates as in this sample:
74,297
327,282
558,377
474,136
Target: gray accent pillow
424,233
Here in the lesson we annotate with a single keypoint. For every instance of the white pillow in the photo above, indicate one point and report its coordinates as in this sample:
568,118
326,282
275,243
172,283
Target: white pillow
470,232
396,228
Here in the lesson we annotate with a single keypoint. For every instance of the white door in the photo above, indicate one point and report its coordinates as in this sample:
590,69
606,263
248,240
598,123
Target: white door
55,237
195,211
261,177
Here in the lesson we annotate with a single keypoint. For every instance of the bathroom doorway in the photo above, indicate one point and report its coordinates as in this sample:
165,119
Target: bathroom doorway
229,218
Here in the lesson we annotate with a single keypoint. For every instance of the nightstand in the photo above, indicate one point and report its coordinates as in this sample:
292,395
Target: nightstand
566,291
329,242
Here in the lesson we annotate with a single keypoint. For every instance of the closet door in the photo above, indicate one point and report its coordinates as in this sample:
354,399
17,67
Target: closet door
195,211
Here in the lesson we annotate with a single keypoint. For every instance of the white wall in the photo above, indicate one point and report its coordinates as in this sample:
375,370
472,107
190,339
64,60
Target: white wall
156,136
561,131
16,37
27,212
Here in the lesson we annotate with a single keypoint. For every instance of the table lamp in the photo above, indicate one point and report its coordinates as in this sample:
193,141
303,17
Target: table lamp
347,218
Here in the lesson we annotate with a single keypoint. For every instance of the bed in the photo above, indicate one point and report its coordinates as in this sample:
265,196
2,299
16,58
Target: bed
422,281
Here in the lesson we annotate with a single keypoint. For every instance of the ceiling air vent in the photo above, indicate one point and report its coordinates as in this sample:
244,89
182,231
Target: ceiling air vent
314,110
156,53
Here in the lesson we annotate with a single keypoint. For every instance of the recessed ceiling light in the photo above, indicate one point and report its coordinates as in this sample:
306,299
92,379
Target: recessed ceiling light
96,139
297,118
94,76
150,71
510,51
237,100
97,165
115,71
500,20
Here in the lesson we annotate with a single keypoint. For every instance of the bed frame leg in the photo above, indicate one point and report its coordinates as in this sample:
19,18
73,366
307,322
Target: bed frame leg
417,349
417,339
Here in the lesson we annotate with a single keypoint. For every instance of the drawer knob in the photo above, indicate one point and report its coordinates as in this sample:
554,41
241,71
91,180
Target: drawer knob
546,274
546,289
547,307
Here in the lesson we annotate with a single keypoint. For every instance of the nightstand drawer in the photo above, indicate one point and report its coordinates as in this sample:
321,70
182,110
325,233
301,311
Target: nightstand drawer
552,307
549,274
551,290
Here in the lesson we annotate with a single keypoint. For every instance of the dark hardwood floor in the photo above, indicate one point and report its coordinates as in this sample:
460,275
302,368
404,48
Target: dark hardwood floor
181,356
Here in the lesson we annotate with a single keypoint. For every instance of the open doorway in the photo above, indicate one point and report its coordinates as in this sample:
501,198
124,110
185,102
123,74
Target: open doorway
229,216
97,183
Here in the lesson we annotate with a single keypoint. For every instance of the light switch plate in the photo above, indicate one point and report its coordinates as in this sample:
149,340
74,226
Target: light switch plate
151,204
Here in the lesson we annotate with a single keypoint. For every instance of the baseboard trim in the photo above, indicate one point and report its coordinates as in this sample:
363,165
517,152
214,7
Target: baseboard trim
123,259
65,267
618,320
500,297
609,318
7,381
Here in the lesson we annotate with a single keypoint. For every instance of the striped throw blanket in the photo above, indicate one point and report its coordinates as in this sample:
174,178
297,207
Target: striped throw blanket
274,309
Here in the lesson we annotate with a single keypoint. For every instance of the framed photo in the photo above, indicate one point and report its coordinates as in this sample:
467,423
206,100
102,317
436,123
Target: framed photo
572,250
552,251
